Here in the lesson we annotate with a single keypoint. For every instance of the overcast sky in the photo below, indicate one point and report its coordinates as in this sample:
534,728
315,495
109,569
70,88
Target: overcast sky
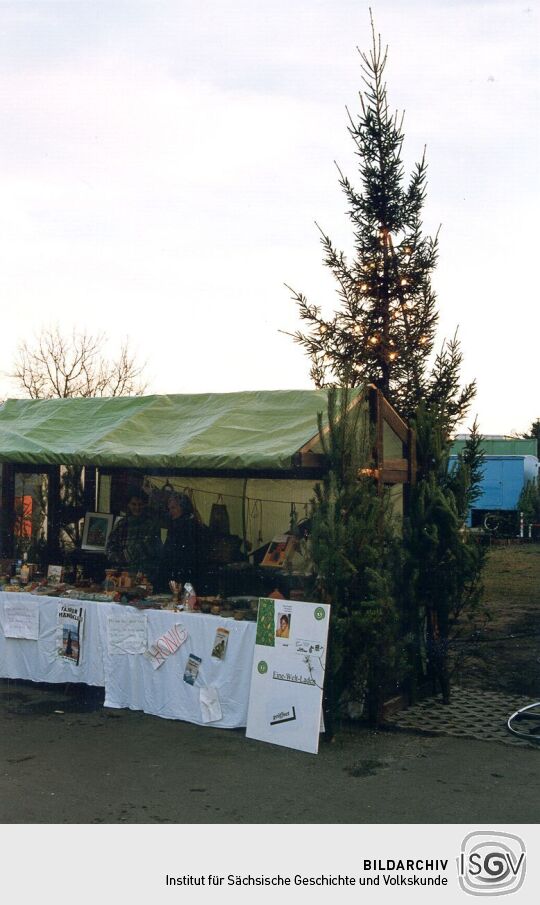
163,163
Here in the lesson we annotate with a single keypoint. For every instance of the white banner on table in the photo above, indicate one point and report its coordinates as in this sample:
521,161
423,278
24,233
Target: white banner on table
285,701
21,620
69,635
126,633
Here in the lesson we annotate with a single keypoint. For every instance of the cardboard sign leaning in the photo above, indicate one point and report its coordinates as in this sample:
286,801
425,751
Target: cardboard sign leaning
287,678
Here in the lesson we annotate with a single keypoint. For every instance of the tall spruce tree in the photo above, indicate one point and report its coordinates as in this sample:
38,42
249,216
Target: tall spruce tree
383,332
384,329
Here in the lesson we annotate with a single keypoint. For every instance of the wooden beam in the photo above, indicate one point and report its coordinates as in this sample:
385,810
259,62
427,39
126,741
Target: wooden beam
90,487
394,476
375,413
7,510
53,499
395,471
393,420
310,460
411,449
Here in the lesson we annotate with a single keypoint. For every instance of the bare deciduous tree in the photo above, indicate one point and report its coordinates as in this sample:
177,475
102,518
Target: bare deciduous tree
59,365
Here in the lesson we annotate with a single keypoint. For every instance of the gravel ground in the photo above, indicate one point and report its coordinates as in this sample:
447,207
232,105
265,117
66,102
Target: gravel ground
90,765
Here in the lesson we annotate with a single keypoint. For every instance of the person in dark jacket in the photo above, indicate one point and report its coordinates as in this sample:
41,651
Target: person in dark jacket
181,558
135,541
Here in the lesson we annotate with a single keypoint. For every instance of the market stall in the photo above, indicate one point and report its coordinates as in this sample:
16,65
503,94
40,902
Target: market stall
245,465
256,453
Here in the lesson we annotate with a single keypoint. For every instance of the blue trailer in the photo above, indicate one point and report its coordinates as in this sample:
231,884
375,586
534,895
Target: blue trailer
503,480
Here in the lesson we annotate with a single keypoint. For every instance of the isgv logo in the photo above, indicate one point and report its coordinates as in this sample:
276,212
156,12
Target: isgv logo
491,864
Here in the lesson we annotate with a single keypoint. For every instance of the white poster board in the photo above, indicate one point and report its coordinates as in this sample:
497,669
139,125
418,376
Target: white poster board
287,678
22,620
126,633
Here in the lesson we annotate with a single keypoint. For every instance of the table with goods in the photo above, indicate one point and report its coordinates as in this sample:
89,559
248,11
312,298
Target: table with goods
175,656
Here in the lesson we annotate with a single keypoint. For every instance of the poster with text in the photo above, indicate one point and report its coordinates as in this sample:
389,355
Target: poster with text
287,678
22,620
69,633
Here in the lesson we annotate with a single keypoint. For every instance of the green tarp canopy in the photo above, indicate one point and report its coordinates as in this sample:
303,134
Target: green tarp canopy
234,431
500,446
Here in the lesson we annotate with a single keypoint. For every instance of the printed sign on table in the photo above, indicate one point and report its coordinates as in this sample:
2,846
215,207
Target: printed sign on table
219,648
69,634
127,633
285,702
21,620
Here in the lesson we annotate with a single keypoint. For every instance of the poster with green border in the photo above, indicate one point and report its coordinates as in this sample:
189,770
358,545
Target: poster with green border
287,678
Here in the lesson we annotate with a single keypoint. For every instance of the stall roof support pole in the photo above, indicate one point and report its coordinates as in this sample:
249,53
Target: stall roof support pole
90,481
7,510
53,503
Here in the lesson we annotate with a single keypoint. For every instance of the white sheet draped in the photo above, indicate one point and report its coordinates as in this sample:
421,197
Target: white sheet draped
129,679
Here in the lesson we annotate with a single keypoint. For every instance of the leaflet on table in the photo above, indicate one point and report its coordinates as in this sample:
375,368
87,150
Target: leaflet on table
192,669
21,620
69,634
287,679
166,645
126,633
219,648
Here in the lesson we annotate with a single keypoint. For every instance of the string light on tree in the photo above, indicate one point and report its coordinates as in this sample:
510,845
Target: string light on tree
390,270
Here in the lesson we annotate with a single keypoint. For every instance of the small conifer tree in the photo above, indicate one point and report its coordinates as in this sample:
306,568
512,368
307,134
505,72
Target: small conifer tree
351,547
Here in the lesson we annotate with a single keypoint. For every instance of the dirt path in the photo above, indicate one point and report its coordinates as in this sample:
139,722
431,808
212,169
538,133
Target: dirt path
108,766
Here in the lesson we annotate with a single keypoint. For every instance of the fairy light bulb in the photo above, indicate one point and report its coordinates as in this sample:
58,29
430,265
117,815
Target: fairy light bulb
322,329
393,356
423,340
373,340
403,282
363,287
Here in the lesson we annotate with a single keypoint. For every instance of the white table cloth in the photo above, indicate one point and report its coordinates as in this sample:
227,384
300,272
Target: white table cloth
129,679
38,660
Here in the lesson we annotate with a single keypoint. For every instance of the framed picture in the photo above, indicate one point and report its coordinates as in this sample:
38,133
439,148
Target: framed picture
97,527
280,550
